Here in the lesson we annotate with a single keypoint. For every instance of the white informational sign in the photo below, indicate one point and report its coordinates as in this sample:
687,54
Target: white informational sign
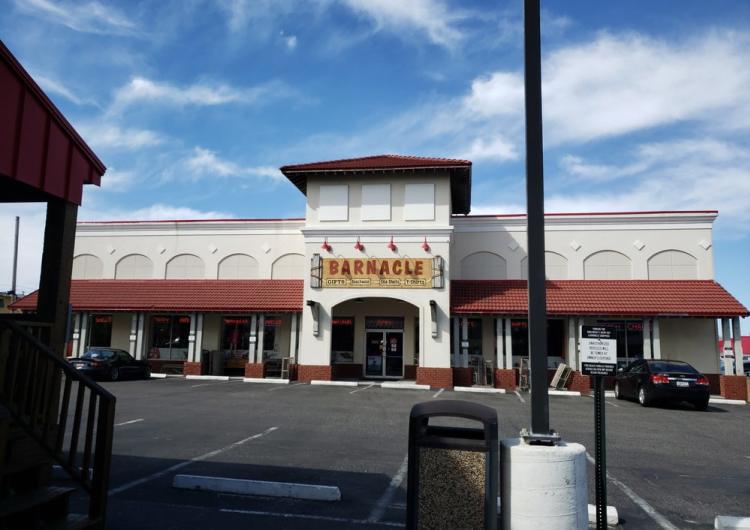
598,350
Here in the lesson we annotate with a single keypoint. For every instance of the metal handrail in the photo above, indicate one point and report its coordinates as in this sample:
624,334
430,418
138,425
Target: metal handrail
36,387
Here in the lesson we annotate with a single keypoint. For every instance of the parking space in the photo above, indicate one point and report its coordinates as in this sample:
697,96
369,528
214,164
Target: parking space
670,467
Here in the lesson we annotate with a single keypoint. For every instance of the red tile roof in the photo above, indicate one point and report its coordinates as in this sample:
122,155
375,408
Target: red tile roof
180,295
377,162
691,298
460,172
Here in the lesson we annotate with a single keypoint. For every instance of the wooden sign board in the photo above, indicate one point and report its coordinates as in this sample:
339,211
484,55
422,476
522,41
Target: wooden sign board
382,273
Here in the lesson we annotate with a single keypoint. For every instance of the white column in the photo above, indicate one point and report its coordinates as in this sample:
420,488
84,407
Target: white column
508,344
191,338
199,338
293,339
76,336
647,339
464,340
572,344
139,333
499,342
456,342
737,335
726,334
83,338
656,336
133,337
259,345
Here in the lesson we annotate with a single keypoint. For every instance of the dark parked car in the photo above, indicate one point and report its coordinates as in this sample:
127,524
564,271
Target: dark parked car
108,363
651,380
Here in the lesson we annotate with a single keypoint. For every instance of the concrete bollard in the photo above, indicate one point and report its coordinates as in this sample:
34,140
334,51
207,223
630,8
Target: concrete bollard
543,486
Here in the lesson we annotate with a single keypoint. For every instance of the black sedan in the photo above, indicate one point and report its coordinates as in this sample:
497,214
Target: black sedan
109,363
651,380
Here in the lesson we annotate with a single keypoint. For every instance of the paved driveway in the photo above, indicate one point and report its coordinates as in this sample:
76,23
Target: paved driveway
671,467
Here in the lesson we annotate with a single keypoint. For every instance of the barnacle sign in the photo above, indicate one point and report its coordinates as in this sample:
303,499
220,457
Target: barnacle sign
413,273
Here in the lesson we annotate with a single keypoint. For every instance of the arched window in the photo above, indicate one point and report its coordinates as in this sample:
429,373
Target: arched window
483,266
555,266
87,267
289,266
672,265
238,266
607,265
185,266
134,267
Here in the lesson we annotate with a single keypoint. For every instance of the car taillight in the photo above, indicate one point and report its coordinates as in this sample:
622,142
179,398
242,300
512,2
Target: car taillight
659,378
702,380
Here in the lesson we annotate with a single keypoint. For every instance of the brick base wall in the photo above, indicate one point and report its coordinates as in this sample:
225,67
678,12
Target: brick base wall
347,371
461,376
579,383
255,370
714,382
310,372
733,386
192,369
410,371
505,378
435,377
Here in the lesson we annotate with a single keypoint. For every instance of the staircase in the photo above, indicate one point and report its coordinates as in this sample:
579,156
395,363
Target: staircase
50,415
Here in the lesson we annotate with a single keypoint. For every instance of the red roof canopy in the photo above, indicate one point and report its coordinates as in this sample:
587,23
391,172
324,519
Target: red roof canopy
39,149
689,298
459,170
180,295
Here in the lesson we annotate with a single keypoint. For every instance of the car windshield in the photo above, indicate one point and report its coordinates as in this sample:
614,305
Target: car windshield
98,354
672,366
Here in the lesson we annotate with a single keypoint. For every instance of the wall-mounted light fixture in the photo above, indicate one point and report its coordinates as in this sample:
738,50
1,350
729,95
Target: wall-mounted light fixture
325,246
392,246
433,318
425,245
359,246
315,310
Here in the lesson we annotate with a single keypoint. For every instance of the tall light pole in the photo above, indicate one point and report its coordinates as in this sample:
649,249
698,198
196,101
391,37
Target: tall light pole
540,432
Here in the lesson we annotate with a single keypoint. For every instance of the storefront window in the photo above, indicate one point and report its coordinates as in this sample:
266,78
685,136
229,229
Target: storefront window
100,331
629,335
271,327
342,339
519,332
235,341
169,337
475,336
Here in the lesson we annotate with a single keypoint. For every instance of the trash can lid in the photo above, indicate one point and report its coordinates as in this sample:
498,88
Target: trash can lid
455,408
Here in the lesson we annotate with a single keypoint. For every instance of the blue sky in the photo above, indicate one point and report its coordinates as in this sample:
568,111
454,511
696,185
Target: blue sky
193,105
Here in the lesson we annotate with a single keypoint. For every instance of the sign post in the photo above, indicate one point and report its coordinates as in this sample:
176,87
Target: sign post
599,359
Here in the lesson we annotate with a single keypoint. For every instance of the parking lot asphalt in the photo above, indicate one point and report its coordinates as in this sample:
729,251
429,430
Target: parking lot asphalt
670,467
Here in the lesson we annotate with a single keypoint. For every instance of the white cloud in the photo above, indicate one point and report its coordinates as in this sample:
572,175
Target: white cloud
496,148
205,163
291,42
155,212
111,136
52,86
89,17
430,17
142,90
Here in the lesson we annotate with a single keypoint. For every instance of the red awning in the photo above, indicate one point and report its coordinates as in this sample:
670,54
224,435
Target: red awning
180,295
39,149
637,298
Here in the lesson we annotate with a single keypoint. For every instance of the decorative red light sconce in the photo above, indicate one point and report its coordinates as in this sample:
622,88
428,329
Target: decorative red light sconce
325,246
425,245
359,246
392,246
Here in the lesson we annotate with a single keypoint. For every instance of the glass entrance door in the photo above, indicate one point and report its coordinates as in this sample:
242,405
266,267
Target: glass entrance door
384,354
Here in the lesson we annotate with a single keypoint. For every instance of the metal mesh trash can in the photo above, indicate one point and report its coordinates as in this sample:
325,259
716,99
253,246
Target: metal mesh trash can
453,471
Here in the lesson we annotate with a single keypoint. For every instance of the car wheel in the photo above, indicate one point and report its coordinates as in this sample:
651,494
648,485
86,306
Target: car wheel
618,394
643,398
701,405
147,372
114,374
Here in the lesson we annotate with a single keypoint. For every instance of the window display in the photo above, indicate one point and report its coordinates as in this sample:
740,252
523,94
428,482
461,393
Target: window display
169,337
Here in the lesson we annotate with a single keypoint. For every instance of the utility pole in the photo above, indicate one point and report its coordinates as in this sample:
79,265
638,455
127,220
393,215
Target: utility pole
15,262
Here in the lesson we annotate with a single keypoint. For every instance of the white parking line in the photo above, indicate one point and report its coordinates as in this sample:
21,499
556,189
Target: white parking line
175,467
607,402
312,517
128,422
282,387
519,396
387,497
363,388
658,518
204,384
439,392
